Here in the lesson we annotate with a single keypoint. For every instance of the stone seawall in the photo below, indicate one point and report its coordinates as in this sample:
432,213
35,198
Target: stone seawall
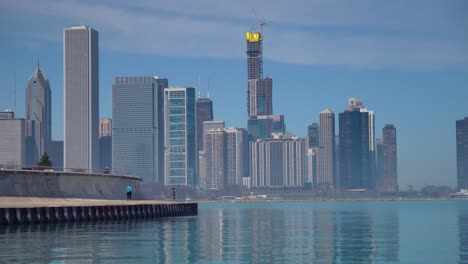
93,211
56,184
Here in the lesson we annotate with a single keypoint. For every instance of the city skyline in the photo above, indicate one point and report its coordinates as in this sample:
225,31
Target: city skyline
401,91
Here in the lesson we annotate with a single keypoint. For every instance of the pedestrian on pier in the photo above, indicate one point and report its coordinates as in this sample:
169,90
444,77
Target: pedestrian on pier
129,192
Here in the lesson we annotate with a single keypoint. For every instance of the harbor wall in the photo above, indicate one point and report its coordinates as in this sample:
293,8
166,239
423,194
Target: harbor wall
58,184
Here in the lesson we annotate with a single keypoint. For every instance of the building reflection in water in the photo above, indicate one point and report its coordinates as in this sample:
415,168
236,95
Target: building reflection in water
463,238
324,236
274,233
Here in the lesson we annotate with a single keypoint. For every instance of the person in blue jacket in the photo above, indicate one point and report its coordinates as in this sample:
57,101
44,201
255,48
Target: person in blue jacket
129,192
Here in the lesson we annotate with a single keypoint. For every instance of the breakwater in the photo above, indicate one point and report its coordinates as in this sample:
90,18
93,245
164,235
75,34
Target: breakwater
59,184
41,211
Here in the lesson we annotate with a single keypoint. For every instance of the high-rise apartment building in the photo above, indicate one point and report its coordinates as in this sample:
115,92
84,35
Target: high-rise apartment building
326,155
215,158
12,141
204,113
105,144
313,135
312,157
237,155
138,127
180,136
277,162
105,127
354,155
38,116
202,155
207,125
81,97
390,183
462,153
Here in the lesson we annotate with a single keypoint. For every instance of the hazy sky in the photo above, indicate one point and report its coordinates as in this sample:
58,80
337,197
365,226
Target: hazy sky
408,61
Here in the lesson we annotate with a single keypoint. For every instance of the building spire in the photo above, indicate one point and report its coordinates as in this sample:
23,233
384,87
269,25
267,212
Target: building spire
14,100
208,93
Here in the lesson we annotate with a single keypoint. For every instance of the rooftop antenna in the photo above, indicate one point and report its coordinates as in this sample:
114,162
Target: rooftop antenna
261,21
208,94
14,98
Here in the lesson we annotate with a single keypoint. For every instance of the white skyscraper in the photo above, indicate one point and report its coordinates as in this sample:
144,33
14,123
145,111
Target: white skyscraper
81,97
326,154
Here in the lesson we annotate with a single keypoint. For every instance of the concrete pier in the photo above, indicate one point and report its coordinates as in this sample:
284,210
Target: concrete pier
27,210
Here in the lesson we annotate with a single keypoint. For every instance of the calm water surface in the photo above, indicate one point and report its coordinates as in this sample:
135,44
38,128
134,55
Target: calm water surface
295,232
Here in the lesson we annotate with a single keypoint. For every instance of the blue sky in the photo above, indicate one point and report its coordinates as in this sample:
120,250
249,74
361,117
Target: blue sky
408,61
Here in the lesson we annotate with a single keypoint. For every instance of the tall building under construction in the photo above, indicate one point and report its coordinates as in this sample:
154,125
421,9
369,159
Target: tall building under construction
259,89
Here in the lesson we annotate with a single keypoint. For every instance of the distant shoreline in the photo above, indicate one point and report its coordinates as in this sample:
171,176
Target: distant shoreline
331,200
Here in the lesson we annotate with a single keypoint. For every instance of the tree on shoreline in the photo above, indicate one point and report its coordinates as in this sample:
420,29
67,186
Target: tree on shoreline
45,160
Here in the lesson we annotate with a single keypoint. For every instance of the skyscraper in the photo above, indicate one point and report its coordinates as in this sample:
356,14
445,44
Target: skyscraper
263,126
390,183
105,127
311,156
202,155
379,161
38,116
215,158
105,143
354,154
204,113
259,90
313,135
138,126
372,150
237,155
180,133
326,154
462,153
81,97
277,162
12,141
207,125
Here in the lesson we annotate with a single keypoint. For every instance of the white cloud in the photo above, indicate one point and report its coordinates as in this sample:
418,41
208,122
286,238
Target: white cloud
364,33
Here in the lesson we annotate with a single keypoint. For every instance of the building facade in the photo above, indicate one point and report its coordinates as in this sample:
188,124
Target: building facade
261,127
326,156
237,155
81,97
462,153
379,161
138,127
12,141
215,158
277,162
313,135
354,154
38,116
105,127
204,113
390,181
180,136
55,151
312,171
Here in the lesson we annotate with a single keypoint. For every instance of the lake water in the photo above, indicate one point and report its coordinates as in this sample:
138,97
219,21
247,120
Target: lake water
285,232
